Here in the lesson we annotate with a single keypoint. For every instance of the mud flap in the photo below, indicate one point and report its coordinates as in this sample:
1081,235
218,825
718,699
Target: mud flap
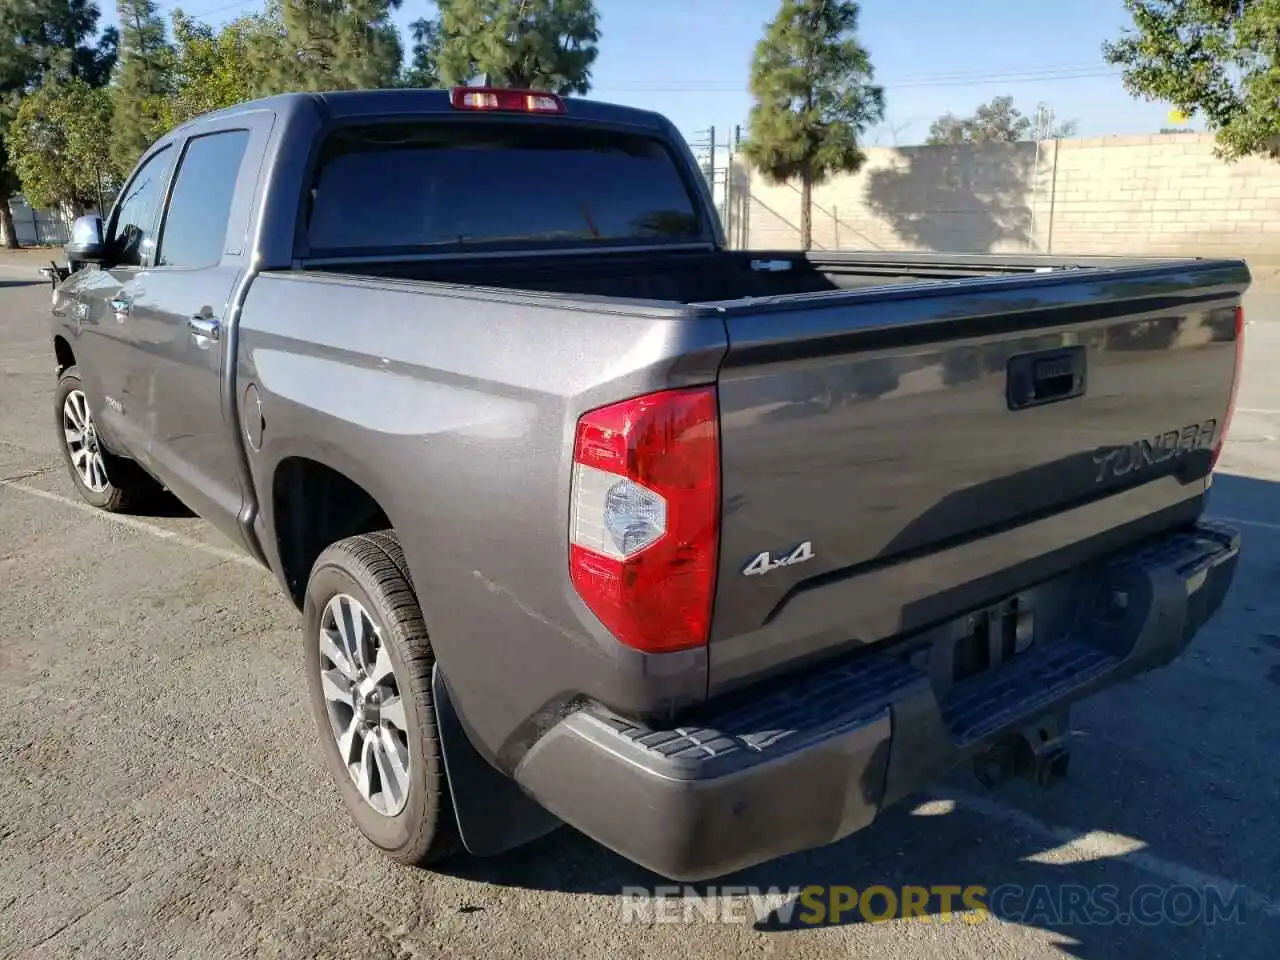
494,815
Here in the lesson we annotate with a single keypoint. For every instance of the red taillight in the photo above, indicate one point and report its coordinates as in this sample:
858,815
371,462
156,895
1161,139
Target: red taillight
502,98
644,517
1235,388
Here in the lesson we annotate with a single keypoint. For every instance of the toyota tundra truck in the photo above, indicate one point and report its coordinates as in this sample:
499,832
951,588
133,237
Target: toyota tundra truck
711,554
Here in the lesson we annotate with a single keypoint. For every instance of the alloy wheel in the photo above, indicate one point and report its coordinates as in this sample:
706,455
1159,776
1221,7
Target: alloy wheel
82,442
362,698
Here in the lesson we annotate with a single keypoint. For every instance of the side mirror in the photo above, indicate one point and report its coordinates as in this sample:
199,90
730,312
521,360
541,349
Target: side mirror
55,274
87,244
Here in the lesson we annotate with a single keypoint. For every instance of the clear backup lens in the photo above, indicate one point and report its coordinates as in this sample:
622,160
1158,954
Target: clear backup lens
614,516
634,516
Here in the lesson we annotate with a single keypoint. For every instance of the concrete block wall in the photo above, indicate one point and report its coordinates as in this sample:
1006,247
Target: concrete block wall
1164,194
1151,195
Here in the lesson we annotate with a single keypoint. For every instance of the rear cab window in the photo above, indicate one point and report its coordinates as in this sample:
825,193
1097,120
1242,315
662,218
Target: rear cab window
195,224
440,185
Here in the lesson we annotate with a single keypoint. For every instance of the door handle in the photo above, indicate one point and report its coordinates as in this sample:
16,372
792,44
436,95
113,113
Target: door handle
1037,378
205,328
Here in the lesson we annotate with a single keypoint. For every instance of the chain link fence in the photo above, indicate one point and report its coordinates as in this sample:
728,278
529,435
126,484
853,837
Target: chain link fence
714,151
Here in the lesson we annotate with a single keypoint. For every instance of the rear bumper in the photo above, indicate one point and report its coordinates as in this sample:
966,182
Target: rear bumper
816,759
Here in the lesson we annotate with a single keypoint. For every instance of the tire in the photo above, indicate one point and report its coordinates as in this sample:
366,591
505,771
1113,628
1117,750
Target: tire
371,571
112,483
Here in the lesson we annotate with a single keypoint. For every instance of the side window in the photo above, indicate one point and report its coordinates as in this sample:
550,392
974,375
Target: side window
195,225
133,233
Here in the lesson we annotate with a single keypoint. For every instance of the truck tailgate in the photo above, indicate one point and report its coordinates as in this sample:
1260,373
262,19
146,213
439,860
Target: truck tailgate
893,458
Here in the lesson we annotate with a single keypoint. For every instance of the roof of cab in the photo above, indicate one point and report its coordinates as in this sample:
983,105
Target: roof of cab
353,104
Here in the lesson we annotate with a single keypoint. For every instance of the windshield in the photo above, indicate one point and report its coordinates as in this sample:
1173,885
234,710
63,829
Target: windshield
405,186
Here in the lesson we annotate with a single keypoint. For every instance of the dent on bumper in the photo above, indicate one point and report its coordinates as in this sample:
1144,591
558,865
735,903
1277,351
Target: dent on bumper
817,758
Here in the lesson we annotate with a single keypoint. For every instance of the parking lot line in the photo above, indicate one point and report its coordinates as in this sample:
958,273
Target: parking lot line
134,524
1079,846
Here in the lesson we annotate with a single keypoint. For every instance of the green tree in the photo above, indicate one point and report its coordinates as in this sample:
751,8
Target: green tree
265,47
56,143
811,81
9,185
54,38
208,69
531,44
422,70
997,121
338,45
1218,58
44,40
142,84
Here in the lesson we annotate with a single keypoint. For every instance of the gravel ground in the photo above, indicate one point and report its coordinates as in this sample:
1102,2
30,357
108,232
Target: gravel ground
161,793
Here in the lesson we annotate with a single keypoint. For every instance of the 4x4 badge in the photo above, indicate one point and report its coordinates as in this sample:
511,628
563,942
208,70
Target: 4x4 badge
764,562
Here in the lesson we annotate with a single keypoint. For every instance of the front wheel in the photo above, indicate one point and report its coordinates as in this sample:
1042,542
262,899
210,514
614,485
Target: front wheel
103,480
369,662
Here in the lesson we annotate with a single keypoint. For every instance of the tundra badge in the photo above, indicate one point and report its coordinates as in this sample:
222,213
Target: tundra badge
1115,462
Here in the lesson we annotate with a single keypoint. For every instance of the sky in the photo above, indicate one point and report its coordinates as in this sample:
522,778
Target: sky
690,59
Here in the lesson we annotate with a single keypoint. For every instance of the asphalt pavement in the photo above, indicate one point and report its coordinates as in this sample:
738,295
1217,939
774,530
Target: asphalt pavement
162,793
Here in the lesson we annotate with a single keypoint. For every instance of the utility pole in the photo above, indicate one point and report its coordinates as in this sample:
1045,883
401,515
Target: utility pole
1043,129
711,158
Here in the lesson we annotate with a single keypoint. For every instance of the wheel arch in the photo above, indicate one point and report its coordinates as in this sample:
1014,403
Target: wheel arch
63,354
315,504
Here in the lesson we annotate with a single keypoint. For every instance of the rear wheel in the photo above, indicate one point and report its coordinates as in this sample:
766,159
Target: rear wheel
102,479
369,664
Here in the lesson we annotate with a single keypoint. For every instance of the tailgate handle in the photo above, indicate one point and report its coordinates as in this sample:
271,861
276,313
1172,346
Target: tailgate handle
1045,377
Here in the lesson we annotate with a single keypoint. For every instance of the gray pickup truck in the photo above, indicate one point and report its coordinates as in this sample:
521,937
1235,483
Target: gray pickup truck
710,554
